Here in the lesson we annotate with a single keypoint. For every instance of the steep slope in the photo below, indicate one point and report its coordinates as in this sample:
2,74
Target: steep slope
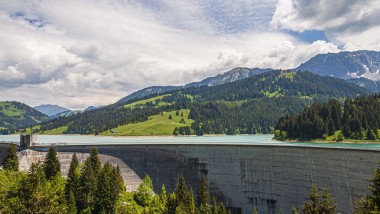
345,65
50,110
370,85
247,106
15,115
229,76
154,90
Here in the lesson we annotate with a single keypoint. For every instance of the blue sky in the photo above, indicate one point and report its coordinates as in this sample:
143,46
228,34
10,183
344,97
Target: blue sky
78,53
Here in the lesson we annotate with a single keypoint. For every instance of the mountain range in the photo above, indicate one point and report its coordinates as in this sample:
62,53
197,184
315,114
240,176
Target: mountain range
248,106
216,104
359,67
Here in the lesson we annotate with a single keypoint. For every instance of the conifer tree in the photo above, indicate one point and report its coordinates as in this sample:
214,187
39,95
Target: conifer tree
181,190
172,204
190,202
71,204
319,202
11,161
94,160
72,181
87,187
104,198
52,166
214,206
374,187
163,197
118,185
145,194
203,196
222,209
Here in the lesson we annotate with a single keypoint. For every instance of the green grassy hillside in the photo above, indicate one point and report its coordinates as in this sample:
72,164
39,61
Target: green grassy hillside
155,125
15,115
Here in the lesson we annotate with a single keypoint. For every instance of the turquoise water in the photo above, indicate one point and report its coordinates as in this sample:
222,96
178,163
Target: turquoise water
222,139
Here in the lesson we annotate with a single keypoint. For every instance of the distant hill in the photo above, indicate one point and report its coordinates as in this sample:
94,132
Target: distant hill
248,106
15,115
345,65
50,110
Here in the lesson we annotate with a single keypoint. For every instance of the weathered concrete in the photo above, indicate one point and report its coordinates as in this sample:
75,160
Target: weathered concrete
268,177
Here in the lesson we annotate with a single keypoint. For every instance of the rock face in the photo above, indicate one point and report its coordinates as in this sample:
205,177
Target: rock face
345,65
267,177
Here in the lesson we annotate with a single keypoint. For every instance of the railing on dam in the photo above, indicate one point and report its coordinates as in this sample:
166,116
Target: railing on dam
9,142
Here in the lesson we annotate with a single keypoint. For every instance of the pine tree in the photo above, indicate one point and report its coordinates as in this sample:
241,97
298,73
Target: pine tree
71,205
172,204
87,187
163,197
11,161
94,160
176,131
181,190
118,185
203,196
319,203
214,207
72,177
145,194
190,202
222,209
104,199
374,187
52,166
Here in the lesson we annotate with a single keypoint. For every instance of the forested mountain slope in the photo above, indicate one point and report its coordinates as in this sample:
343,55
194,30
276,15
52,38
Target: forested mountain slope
357,118
14,115
248,106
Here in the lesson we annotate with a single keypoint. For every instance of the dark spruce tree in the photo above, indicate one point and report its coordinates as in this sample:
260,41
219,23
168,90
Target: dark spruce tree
203,195
11,161
72,181
51,165
104,200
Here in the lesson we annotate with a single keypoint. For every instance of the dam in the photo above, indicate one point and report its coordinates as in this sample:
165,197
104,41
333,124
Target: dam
269,177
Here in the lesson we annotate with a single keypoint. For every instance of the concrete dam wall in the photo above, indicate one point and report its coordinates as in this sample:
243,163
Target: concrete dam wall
267,177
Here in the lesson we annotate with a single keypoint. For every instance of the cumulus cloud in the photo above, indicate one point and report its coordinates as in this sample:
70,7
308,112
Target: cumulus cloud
353,23
80,53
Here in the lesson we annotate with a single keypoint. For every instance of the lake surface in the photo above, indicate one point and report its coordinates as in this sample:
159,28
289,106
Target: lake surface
44,140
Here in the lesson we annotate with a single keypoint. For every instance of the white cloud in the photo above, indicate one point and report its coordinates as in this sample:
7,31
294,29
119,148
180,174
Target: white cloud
353,23
80,53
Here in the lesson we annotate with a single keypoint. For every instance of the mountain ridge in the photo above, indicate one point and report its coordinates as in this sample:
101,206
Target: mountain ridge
349,66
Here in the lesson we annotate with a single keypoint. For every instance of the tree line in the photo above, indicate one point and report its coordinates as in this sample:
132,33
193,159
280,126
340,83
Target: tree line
357,118
91,187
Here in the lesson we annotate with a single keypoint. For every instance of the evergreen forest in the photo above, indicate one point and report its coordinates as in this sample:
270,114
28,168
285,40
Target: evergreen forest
355,119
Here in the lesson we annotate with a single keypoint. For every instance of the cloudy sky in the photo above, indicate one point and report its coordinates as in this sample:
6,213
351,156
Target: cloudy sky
77,53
